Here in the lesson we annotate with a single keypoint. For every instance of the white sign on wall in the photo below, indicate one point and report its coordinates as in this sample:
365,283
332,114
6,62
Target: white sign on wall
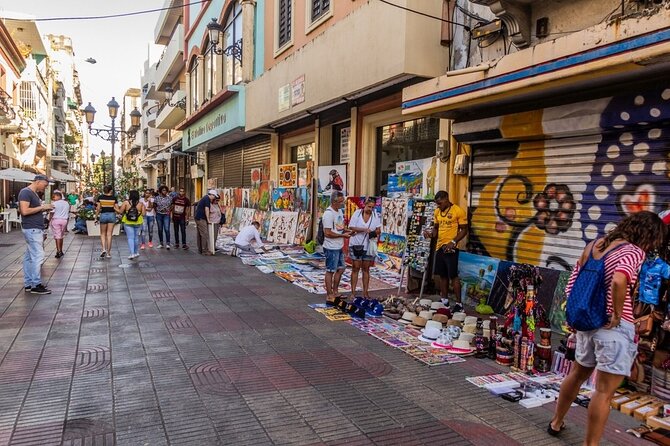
284,99
298,90
345,134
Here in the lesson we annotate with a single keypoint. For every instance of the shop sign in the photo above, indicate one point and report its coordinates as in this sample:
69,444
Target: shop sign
298,90
345,134
218,121
284,98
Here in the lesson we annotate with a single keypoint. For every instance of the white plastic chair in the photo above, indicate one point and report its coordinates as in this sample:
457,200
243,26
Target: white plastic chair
13,218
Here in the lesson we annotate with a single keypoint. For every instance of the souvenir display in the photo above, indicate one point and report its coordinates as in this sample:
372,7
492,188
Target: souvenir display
418,247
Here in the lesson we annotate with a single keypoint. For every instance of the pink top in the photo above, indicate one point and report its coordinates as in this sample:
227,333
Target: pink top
626,260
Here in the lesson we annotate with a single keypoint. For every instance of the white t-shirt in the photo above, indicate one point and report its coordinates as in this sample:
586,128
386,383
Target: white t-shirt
147,212
61,209
247,235
357,222
333,220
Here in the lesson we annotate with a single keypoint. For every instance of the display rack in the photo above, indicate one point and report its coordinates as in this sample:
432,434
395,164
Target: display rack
417,250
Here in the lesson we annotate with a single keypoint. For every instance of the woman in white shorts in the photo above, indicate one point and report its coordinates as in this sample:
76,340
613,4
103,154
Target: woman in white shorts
611,349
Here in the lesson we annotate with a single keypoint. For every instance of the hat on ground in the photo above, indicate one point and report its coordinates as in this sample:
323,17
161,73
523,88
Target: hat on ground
419,321
441,318
425,302
407,317
434,324
40,177
467,337
444,311
459,316
429,334
470,320
426,315
436,305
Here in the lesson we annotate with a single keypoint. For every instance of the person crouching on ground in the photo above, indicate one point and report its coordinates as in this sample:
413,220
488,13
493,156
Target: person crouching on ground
366,226
334,233
133,217
610,349
450,227
247,236
59,218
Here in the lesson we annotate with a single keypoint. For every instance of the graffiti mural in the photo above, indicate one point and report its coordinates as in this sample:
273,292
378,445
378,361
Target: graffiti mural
558,178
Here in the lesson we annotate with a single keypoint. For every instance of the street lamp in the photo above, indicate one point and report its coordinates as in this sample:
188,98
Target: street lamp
215,31
111,133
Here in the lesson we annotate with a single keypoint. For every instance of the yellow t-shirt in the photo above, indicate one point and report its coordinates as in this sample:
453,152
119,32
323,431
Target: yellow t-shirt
448,222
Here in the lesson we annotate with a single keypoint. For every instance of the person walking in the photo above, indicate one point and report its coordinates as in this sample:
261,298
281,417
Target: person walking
133,216
181,214
147,231
32,222
106,210
611,349
163,205
334,233
60,215
450,227
202,220
366,226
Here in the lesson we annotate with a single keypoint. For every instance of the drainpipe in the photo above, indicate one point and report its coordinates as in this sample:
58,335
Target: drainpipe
248,16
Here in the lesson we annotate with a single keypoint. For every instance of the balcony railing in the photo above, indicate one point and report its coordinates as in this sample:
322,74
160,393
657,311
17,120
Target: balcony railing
6,108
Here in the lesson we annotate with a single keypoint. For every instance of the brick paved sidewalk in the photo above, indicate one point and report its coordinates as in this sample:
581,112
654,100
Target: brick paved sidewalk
183,349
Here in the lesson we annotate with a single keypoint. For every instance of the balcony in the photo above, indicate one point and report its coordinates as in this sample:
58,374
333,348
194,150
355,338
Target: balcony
168,117
167,21
171,64
6,109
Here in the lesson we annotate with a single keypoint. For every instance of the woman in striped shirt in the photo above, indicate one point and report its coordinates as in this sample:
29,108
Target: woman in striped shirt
611,349
106,211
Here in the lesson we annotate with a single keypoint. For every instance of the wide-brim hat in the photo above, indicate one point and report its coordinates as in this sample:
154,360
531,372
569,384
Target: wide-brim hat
407,317
434,324
437,344
466,337
436,305
425,302
470,328
429,334
419,321
441,318
460,351
426,315
460,316
470,320
445,311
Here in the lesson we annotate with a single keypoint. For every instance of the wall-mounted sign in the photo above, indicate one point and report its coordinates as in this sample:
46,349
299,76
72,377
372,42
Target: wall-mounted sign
345,134
284,98
298,90
220,120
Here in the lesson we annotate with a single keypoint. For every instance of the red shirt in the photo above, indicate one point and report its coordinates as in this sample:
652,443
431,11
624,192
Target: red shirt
626,260
180,205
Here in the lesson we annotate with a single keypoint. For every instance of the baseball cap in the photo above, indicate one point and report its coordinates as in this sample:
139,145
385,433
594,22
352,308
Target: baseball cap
213,192
41,178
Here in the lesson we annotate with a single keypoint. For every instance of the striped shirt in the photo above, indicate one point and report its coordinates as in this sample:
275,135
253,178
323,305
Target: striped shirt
107,203
626,260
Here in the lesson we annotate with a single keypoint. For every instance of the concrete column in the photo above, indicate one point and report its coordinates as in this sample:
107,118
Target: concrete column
248,19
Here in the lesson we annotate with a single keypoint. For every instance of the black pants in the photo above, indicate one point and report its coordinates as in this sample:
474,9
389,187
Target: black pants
179,224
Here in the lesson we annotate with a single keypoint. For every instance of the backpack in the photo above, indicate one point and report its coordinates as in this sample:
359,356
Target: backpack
586,308
320,233
132,214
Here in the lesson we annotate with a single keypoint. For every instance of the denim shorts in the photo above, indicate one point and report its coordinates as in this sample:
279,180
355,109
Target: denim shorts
608,350
334,259
107,217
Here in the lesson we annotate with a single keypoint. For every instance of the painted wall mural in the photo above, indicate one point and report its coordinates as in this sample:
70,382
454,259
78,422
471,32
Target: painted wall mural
544,189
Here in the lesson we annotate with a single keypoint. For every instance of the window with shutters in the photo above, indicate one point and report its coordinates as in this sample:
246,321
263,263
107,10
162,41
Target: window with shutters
319,9
284,23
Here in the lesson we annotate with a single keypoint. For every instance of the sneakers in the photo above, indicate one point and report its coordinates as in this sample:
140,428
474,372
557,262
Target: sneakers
59,254
176,246
103,254
27,289
109,255
40,289
159,246
142,246
167,246
184,246
133,256
151,244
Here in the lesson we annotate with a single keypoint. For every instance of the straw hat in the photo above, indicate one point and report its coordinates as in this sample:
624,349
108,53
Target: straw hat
434,324
459,316
427,315
467,337
441,318
407,317
436,305
419,321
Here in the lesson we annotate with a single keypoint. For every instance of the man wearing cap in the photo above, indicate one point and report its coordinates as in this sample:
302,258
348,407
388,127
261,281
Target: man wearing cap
32,222
202,221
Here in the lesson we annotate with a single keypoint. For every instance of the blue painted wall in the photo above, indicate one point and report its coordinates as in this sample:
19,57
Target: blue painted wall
259,39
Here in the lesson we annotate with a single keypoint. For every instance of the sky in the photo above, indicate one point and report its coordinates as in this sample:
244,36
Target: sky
119,45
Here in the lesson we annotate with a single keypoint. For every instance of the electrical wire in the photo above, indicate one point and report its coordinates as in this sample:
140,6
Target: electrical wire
112,16
466,27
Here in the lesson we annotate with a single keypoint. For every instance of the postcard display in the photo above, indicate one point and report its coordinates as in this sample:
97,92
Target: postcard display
417,251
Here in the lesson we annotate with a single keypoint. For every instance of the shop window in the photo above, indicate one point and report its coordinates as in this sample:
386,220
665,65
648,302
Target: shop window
319,9
302,153
341,143
284,31
404,141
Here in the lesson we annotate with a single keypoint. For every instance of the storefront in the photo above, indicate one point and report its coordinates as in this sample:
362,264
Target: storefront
231,166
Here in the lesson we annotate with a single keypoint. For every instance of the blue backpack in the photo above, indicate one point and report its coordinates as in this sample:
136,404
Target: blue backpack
586,308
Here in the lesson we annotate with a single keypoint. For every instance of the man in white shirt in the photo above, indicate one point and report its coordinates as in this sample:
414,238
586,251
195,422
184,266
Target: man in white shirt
248,235
334,234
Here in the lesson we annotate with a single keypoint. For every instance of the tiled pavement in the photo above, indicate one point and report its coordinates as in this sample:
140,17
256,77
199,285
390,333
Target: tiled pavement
182,349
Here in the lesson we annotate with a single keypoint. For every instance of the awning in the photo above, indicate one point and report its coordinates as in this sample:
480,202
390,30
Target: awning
61,176
14,174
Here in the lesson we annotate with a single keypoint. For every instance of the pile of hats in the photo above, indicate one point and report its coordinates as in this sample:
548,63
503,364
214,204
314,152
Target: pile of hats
359,307
396,306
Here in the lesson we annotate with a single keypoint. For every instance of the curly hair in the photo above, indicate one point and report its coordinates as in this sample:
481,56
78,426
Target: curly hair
644,229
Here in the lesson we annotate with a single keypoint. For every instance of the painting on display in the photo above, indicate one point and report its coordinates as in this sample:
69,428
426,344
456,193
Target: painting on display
302,228
391,244
282,227
237,218
256,177
283,199
246,217
332,178
264,196
288,175
417,177
557,318
246,198
477,274
263,218
394,216
227,198
302,199
237,197
322,204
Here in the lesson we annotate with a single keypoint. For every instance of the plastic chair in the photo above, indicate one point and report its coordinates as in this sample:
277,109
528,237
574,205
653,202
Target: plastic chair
13,218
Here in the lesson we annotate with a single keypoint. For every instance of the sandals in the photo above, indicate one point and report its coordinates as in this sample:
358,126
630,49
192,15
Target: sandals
553,432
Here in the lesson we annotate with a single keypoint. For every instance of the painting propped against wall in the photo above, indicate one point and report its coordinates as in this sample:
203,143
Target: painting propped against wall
394,216
282,227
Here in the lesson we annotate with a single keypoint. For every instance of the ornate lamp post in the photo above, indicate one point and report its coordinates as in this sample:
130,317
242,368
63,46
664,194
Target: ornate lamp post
111,133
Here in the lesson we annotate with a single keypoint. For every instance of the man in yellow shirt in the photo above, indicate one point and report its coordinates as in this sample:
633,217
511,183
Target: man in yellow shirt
450,227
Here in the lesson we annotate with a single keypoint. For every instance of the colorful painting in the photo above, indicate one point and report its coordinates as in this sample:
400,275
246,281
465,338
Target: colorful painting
477,274
264,196
283,199
557,312
391,244
394,216
302,228
246,217
332,178
540,200
227,198
246,198
256,177
322,204
262,217
288,175
282,227
303,199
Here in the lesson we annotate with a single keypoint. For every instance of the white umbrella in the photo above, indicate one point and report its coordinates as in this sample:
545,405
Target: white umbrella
14,174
